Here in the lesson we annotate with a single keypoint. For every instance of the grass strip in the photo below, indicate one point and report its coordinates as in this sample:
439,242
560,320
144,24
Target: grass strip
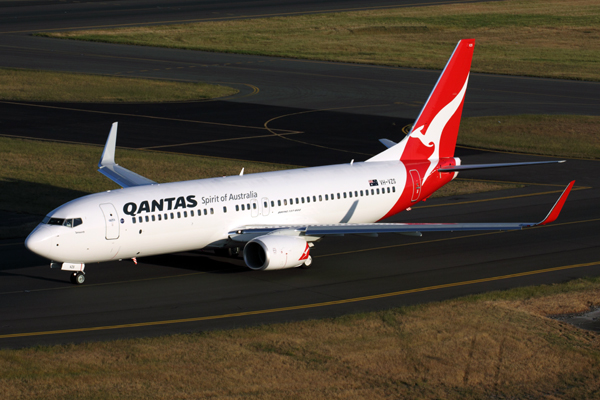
570,136
38,176
29,85
494,345
549,38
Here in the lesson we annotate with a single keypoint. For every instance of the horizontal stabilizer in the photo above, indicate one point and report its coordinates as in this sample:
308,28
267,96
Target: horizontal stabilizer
114,172
457,168
388,143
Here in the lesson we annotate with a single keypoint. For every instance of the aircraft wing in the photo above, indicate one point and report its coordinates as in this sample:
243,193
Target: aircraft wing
247,233
114,172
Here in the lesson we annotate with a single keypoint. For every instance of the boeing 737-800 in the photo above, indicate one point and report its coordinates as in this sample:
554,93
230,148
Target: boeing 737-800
276,217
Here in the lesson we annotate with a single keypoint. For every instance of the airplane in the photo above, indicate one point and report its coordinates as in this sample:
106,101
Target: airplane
275,217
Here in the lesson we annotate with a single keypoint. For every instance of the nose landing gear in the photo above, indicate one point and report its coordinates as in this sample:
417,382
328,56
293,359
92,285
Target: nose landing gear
78,278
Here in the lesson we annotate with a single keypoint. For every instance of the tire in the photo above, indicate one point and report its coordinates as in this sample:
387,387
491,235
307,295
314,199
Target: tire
78,278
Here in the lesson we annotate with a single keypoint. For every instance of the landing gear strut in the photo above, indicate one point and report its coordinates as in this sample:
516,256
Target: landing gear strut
78,278
232,252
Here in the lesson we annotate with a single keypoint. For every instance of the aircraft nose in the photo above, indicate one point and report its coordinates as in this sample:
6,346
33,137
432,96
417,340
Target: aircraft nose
38,242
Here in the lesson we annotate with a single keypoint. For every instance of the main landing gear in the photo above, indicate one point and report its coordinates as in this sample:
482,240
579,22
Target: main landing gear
78,278
307,263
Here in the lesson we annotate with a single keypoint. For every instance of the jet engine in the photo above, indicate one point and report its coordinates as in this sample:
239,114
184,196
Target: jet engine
276,252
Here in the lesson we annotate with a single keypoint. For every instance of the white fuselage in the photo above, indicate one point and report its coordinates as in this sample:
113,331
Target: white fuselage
181,216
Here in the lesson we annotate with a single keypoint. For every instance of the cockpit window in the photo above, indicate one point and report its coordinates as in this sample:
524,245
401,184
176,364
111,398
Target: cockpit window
68,222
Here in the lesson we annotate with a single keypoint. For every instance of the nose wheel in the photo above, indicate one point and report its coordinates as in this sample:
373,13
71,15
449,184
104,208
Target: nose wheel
77,278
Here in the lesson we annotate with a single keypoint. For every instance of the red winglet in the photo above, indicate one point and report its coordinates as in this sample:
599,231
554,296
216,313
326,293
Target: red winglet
553,214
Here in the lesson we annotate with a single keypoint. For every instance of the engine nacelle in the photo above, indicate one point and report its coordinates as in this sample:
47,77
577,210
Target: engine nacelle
276,252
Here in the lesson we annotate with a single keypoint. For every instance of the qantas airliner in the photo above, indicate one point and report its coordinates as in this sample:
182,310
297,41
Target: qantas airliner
276,217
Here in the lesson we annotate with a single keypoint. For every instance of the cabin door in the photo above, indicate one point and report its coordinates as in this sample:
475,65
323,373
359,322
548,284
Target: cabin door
111,218
265,207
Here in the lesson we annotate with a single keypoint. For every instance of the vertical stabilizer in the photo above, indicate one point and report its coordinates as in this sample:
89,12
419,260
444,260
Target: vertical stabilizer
433,135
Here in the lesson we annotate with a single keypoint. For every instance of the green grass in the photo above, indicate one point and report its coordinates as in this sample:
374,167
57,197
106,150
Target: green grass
494,345
28,85
550,38
37,176
570,136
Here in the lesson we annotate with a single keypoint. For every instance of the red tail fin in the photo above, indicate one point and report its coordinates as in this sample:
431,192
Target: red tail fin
434,132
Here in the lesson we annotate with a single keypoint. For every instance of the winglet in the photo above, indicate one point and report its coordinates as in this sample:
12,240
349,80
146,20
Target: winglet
108,155
115,172
553,214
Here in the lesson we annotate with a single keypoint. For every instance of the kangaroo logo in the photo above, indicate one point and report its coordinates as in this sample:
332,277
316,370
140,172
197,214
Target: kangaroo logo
433,134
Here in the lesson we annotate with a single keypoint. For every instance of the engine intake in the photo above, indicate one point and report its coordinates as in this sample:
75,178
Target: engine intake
270,252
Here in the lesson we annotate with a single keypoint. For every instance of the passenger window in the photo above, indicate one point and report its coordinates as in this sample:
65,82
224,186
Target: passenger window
356,193
185,214
191,213
338,196
212,211
344,194
320,198
205,211
265,204
315,199
308,199
243,207
140,220
237,207
373,191
224,209
350,194
377,190
279,203
388,189
254,205
172,216
153,218
394,189
326,197
159,217
285,202
361,193
297,200
178,214
133,219
272,203
302,198
166,216
147,219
